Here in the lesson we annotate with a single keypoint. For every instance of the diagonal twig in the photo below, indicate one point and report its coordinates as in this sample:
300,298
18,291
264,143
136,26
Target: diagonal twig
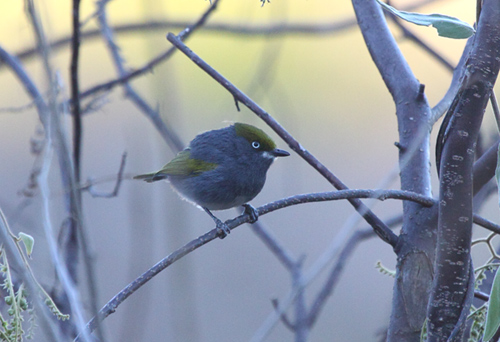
382,230
155,61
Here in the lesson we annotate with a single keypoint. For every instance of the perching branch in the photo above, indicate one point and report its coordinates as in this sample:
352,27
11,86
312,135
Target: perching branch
119,298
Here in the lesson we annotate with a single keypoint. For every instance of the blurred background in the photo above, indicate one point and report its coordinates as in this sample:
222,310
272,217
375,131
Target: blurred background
322,87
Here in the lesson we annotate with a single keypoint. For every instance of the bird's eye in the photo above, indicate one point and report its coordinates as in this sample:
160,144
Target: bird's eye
256,145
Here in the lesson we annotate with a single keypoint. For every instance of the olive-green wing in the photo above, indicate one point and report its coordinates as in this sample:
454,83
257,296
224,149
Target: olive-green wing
181,165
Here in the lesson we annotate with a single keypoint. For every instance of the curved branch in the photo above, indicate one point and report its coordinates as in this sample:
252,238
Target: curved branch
111,306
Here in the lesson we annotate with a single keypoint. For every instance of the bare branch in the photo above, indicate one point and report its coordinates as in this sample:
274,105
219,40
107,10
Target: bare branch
442,106
56,139
484,168
274,246
329,27
111,306
17,262
283,316
419,42
75,90
44,115
166,132
334,277
119,178
456,145
496,111
301,325
384,51
151,64
481,221
347,250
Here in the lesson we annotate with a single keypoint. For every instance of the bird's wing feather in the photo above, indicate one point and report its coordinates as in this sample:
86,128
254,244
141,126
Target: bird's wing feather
184,165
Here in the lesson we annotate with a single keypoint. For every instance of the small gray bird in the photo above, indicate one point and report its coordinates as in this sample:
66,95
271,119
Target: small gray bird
221,169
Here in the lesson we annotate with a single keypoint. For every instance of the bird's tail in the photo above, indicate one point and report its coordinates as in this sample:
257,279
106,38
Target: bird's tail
151,177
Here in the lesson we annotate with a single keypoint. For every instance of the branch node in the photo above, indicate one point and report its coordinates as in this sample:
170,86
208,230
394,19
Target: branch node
237,104
421,92
399,146
119,177
283,316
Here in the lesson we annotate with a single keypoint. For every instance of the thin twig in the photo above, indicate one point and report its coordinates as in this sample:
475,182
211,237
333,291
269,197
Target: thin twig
383,231
18,263
348,248
419,42
334,277
273,245
481,221
494,105
442,106
168,134
55,134
294,266
328,27
284,318
19,109
75,90
151,64
481,295
119,179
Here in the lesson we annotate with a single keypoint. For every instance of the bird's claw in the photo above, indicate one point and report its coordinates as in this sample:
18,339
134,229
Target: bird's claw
222,229
252,212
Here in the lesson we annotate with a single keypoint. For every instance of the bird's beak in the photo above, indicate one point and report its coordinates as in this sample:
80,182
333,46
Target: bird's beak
279,153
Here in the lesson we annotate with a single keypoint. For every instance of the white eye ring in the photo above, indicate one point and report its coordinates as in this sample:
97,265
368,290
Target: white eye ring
256,145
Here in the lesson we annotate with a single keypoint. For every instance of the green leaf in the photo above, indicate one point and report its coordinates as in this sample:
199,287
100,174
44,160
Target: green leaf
493,315
446,26
28,242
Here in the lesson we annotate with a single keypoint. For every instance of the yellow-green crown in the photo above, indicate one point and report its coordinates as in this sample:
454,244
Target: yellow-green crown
252,133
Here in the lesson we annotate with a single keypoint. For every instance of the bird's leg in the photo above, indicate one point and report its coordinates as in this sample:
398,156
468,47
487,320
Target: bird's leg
222,228
254,216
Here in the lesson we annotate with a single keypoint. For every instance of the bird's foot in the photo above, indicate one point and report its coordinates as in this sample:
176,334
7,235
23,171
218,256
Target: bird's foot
222,228
252,212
